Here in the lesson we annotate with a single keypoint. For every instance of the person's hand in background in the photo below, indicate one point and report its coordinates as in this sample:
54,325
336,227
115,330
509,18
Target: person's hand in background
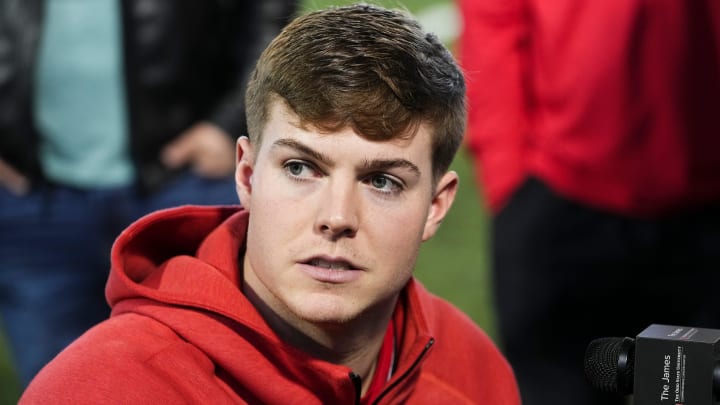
205,148
12,180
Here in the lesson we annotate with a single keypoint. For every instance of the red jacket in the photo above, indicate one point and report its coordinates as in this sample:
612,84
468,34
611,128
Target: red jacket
613,103
181,331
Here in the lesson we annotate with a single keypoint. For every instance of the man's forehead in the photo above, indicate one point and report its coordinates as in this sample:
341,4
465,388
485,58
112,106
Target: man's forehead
345,142
281,113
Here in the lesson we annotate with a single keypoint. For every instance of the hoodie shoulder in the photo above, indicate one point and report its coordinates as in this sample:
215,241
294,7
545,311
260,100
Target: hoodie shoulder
128,358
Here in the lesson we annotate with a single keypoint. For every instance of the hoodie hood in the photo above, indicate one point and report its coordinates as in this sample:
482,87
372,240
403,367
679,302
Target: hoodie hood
181,256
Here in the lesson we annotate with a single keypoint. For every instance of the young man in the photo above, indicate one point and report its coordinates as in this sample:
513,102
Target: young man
305,295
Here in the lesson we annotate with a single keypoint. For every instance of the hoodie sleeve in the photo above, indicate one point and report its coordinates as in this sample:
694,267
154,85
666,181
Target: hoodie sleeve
495,56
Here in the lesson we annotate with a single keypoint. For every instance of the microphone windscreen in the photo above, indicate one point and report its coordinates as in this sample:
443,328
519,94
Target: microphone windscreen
609,364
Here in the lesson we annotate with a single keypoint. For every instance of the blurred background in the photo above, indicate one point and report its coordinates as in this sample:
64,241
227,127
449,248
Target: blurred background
454,263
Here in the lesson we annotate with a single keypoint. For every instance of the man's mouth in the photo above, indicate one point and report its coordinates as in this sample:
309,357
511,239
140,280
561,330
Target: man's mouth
333,270
331,264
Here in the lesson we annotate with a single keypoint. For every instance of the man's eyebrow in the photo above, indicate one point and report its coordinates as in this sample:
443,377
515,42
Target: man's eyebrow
304,149
387,164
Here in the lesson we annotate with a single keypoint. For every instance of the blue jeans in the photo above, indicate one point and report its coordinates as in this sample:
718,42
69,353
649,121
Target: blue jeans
55,258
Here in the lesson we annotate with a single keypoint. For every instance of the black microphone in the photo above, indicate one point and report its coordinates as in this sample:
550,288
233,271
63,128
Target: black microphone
610,364
663,365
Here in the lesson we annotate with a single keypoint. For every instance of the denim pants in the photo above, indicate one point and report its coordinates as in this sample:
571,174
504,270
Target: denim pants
55,258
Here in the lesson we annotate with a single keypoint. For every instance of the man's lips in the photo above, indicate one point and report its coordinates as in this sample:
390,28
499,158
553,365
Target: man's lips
331,264
334,270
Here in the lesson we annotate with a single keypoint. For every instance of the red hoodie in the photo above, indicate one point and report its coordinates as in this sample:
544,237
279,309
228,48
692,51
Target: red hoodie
181,331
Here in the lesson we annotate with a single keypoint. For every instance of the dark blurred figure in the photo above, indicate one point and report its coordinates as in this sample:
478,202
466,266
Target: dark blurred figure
109,110
595,126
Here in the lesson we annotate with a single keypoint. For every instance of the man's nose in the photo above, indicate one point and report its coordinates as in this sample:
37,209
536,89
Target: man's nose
338,211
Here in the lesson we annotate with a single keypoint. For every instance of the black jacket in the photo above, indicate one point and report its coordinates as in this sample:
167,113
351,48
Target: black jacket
184,61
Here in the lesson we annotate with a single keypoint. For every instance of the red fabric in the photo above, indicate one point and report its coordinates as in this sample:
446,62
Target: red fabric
382,369
611,103
181,331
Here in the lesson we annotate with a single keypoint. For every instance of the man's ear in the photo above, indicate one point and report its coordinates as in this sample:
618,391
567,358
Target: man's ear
244,170
442,201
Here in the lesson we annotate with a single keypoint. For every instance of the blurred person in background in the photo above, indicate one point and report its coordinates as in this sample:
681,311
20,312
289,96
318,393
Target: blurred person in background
109,110
595,128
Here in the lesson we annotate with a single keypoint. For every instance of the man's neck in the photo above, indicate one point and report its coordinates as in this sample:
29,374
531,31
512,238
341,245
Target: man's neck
355,344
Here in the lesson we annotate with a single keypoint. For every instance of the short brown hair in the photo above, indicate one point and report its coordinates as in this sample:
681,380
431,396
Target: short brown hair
366,67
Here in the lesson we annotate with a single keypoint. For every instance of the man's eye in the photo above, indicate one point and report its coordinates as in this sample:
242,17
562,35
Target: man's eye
299,169
385,184
295,168
380,182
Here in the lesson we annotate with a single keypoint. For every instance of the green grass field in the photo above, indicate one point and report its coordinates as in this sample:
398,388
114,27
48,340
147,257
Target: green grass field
453,264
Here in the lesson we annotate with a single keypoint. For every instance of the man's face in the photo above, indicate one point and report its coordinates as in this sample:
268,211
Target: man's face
336,221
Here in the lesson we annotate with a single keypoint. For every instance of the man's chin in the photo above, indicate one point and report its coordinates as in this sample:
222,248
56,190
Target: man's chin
325,312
